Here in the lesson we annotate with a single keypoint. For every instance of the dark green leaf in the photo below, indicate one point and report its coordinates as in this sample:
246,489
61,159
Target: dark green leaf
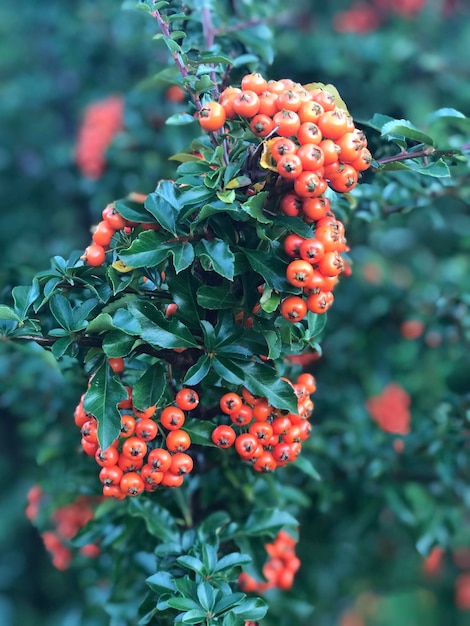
133,211
161,582
264,381
60,347
183,604
147,250
216,255
316,324
180,119
295,225
216,298
123,320
306,467
228,370
199,431
406,129
164,205
198,371
254,207
252,609
195,616
62,311
206,596
158,331
228,602
437,169
150,387
101,323
117,344
183,290
269,521
234,559
271,268
101,400
158,520
24,297
183,255
191,562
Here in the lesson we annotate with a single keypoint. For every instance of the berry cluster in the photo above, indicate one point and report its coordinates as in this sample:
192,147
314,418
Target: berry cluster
311,142
267,437
102,121
279,570
68,520
135,462
316,263
33,497
391,409
317,143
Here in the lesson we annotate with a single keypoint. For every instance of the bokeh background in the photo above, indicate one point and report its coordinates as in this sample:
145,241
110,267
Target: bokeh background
385,500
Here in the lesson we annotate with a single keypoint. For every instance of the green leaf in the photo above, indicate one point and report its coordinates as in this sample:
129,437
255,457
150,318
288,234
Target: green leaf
101,323
81,312
101,400
306,467
228,602
132,211
161,581
216,255
198,371
378,121
273,339
216,298
191,562
234,559
180,119
228,370
147,250
150,387
252,609
437,169
195,616
269,521
254,207
117,344
199,431
264,381
206,596
158,331
183,255
24,297
295,225
183,604
7,313
445,113
183,289
61,346
62,311
406,129
316,324
159,522
164,205
123,320
271,267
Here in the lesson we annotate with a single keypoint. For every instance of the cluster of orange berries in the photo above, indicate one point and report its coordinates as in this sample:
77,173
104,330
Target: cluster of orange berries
391,409
317,261
312,143
267,437
67,520
134,463
101,122
103,233
317,143
279,570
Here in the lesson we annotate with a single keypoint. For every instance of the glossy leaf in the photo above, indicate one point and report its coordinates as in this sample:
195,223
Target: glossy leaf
150,387
101,400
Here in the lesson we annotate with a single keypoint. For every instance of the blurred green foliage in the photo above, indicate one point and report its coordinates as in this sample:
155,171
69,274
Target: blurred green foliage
368,523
